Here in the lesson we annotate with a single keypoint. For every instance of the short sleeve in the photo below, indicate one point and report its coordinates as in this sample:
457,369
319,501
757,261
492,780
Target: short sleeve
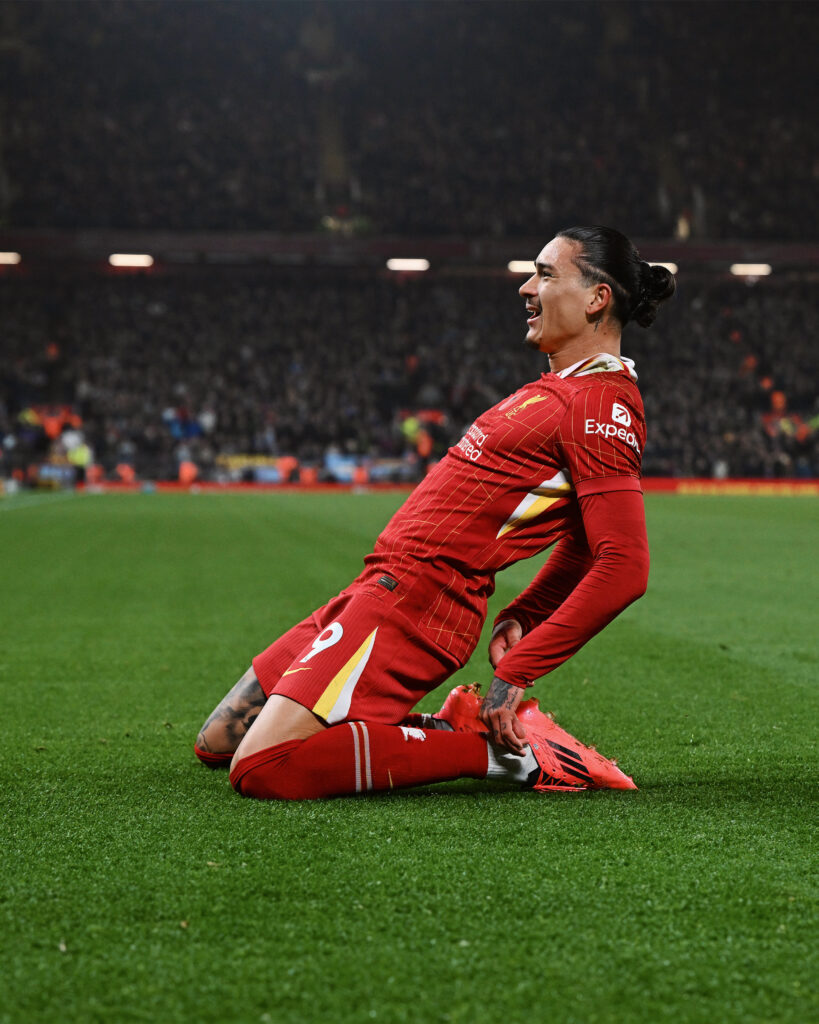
601,438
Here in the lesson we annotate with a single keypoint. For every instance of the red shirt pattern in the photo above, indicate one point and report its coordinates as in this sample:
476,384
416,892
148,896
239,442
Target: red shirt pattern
507,491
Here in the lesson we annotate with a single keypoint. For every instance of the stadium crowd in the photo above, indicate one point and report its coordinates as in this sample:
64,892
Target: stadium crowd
165,370
370,117
247,116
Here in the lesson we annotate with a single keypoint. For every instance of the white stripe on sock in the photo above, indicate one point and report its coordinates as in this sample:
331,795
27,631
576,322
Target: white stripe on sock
357,762
367,771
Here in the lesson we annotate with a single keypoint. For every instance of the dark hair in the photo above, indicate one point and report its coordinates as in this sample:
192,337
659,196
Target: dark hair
608,256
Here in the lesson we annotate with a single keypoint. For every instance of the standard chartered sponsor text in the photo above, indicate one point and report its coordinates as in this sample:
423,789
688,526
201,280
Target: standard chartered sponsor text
471,443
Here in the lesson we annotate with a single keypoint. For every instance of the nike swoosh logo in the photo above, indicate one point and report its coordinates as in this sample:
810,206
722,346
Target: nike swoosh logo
290,671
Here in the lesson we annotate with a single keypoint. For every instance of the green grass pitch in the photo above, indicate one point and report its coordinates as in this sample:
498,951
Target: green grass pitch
136,886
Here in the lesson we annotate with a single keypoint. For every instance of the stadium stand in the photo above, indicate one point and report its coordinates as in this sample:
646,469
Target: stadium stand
363,121
246,116
170,370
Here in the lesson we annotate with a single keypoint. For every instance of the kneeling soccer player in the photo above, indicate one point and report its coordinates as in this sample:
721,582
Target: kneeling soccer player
326,709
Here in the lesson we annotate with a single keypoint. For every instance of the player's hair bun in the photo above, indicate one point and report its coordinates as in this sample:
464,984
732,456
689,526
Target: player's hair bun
656,285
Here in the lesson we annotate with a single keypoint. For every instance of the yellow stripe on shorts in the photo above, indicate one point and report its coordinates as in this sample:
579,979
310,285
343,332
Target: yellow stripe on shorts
334,703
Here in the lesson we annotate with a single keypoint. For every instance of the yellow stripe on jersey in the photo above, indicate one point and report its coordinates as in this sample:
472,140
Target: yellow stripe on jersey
529,508
537,501
334,703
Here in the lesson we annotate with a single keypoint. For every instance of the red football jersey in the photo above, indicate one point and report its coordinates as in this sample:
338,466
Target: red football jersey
507,491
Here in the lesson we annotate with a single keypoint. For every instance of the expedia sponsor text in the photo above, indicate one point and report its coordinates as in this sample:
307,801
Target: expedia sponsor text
609,430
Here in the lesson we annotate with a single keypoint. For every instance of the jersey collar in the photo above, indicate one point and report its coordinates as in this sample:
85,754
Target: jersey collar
603,362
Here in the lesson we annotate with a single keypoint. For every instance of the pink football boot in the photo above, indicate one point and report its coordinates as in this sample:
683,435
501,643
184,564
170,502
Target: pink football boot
565,763
462,707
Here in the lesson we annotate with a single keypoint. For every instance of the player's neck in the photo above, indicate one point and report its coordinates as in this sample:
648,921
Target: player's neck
584,346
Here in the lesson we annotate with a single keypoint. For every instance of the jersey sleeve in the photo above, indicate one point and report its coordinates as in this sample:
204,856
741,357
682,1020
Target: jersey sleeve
601,438
615,528
566,566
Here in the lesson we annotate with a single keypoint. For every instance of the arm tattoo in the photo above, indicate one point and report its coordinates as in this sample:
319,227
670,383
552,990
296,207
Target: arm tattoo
500,695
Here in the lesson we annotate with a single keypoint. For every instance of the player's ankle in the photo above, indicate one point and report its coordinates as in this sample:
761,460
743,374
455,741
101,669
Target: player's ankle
508,767
431,722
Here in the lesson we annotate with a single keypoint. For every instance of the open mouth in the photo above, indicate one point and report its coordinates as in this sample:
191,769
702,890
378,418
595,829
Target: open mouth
533,314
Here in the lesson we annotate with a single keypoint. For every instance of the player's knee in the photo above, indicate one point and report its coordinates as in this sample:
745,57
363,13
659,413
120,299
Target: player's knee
214,745
214,738
211,758
232,717
216,742
201,741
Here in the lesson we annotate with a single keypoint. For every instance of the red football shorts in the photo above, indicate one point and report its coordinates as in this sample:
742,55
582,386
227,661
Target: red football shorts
355,659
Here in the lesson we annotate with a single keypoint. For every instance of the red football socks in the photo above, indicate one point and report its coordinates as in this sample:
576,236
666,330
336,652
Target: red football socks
212,760
359,757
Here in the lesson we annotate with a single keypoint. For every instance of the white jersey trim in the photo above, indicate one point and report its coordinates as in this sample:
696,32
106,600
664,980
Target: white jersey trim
603,362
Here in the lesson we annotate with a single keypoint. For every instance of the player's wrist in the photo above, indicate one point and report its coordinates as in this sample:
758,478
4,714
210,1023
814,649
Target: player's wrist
519,683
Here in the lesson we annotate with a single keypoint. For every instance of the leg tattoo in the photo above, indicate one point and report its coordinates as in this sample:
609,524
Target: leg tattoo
234,715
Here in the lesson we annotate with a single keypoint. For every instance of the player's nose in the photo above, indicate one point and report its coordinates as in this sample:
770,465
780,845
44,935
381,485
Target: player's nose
528,287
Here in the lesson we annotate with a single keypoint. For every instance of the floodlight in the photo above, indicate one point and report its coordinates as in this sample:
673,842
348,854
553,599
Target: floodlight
750,269
405,264
130,259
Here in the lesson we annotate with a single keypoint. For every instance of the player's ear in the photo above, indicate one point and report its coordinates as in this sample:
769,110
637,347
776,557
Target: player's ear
599,300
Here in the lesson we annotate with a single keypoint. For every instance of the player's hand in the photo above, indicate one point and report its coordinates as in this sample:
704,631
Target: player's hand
504,636
498,713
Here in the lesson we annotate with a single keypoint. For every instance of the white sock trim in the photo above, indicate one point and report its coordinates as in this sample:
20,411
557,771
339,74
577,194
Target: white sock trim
505,765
